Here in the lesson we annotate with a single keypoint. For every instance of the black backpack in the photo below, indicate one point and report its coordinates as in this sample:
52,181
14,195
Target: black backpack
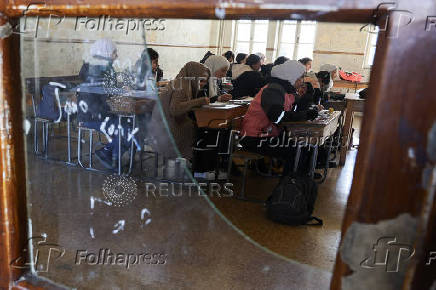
292,201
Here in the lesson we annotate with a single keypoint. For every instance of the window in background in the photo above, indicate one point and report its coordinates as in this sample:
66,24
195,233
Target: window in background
296,39
371,47
251,36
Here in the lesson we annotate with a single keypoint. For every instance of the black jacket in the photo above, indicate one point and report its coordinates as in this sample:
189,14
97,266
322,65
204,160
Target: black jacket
273,100
95,103
248,83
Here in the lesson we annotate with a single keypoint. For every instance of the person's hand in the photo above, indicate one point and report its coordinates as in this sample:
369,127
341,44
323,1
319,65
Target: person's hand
320,107
206,101
224,98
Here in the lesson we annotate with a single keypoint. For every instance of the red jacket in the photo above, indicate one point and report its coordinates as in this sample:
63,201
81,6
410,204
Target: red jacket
256,122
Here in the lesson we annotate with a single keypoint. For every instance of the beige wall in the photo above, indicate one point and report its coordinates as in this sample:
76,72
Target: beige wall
50,57
181,41
335,37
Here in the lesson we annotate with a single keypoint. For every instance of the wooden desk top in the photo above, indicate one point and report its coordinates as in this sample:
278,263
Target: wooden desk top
216,117
323,120
321,128
353,97
349,85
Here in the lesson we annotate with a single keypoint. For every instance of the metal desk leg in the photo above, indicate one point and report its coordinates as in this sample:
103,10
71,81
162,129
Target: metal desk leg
346,132
45,136
119,144
120,130
90,147
35,136
313,160
297,158
69,138
131,146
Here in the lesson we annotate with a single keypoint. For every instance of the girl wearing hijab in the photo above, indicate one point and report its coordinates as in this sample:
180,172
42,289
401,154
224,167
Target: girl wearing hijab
178,99
271,105
98,75
218,66
142,70
99,62
248,80
327,73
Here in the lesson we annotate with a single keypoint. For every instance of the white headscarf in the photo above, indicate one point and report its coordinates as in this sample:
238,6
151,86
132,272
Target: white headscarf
328,67
290,70
103,48
262,57
215,63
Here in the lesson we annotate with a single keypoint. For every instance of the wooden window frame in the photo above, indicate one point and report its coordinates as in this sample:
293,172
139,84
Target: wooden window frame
383,173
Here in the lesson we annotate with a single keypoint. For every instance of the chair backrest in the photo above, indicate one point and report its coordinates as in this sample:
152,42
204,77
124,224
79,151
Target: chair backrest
49,106
91,104
235,130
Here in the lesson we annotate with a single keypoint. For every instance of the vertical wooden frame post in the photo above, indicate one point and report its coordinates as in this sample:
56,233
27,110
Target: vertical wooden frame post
13,219
401,101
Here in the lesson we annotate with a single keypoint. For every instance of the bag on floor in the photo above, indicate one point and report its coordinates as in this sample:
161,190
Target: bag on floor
292,201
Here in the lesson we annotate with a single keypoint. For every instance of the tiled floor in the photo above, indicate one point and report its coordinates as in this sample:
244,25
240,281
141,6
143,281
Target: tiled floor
232,246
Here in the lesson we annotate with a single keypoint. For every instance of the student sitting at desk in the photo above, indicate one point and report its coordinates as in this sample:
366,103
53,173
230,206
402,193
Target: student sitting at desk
218,66
97,74
240,61
142,71
181,95
248,80
266,69
327,73
274,103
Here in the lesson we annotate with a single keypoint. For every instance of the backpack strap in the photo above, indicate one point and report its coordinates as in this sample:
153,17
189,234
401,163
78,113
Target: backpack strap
319,221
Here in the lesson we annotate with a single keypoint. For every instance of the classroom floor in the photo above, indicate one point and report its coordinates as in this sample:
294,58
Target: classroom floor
231,247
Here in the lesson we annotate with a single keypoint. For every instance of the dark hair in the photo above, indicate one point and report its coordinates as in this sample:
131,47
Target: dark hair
240,57
305,60
152,53
324,76
252,59
281,60
229,55
206,56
